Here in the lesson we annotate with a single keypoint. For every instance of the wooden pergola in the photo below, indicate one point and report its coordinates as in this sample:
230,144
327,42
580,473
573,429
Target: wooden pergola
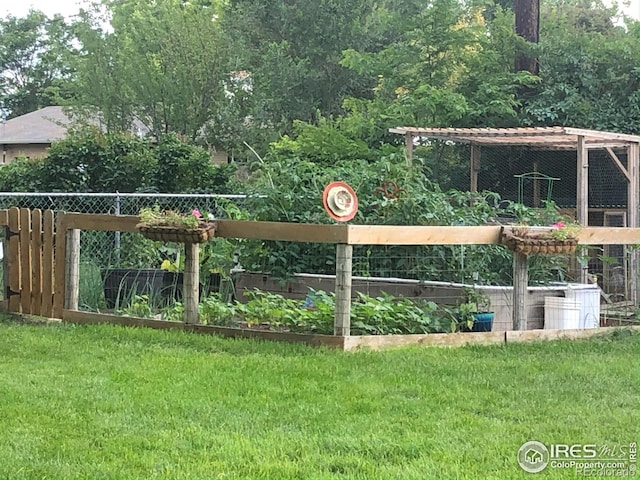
552,138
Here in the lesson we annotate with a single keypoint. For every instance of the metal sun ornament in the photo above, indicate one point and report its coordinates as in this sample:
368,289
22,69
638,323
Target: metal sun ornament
340,201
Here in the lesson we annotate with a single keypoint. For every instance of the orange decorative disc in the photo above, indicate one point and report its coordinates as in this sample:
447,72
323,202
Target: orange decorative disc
340,201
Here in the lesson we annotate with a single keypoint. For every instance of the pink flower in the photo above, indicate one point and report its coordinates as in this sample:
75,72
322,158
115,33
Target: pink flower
196,213
559,225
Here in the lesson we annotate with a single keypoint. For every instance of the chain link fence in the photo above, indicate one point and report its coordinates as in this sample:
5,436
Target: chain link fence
120,203
105,257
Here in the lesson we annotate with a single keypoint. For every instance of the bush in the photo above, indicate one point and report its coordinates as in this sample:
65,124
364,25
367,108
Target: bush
21,175
89,160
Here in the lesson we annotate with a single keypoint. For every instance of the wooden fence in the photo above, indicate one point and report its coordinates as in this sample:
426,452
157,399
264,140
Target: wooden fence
29,257
42,265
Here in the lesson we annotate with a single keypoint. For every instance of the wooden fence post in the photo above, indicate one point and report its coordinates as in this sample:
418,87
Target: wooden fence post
5,269
59,268
48,245
520,284
342,316
191,294
13,264
72,270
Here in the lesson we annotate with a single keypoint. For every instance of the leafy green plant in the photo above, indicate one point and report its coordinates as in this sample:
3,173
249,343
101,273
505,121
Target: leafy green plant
564,231
214,311
314,315
90,288
462,315
387,315
476,299
155,217
139,307
173,313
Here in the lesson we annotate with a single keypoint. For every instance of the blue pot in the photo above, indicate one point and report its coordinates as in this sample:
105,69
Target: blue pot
483,322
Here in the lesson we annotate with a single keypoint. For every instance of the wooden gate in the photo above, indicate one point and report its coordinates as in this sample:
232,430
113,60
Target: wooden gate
29,281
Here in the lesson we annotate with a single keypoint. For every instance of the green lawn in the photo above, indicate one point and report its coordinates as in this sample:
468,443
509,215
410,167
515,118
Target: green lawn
112,402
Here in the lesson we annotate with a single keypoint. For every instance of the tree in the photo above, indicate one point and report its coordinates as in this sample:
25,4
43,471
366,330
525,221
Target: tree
293,50
165,63
34,62
447,66
589,70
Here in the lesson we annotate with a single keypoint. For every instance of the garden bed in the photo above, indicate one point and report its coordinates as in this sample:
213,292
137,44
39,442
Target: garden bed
445,293
353,342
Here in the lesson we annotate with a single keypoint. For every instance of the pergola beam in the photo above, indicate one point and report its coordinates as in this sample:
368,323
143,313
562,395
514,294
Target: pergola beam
582,194
475,166
633,215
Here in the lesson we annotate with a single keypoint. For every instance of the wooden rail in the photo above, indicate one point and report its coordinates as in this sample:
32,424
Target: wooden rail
353,234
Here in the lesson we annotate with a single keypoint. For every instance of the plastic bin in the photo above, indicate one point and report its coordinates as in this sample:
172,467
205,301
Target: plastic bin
561,313
589,298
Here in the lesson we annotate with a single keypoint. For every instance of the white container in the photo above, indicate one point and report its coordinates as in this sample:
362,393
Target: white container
561,313
589,298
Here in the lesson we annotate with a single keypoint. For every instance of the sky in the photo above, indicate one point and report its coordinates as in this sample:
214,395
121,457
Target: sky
19,8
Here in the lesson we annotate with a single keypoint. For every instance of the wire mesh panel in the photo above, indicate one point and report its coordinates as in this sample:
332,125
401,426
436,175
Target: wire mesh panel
121,203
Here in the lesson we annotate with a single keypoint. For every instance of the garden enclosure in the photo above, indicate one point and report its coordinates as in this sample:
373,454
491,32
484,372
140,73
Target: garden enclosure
30,262
592,175
464,264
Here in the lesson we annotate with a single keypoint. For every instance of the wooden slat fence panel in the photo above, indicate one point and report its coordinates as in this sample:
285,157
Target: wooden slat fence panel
25,260
36,261
31,246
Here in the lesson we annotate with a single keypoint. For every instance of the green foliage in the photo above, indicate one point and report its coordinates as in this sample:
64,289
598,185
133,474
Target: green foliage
137,251
291,190
155,216
184,168
382,315
214,311
91,161
323,143
140,306
589,71
35,66
21,175
446,66
387,315
163,62
462,315
305,40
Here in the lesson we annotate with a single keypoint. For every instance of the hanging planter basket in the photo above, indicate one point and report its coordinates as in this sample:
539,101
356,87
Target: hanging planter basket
171,233
536,242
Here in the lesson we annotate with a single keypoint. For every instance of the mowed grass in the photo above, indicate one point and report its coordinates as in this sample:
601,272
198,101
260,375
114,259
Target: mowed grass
113,402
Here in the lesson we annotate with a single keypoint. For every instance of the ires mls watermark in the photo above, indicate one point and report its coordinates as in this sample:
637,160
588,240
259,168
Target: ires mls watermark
587,460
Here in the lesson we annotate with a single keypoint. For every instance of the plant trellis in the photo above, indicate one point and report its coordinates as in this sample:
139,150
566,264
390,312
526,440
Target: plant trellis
534,176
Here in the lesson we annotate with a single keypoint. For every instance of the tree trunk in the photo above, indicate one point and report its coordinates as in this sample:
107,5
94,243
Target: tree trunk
528,27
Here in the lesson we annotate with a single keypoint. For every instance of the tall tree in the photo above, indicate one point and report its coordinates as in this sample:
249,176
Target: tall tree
164,63
293,49
446,66
589,69
34,62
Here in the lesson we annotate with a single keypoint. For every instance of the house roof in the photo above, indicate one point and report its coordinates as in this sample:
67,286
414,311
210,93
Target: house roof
542,138
42,126
47,125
